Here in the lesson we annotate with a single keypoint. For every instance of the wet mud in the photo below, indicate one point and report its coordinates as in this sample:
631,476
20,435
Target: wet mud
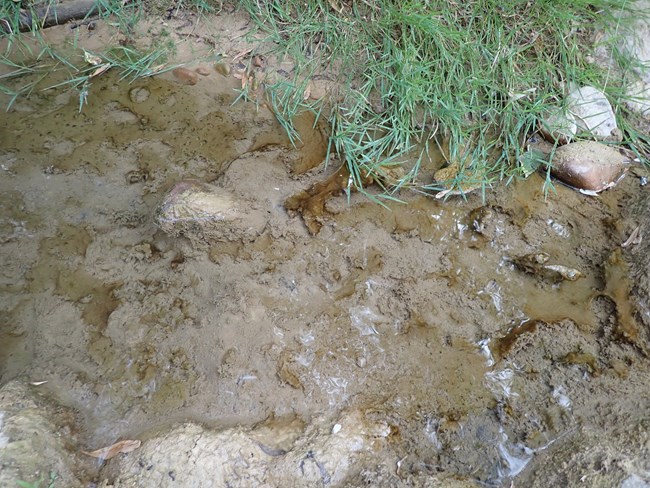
415,314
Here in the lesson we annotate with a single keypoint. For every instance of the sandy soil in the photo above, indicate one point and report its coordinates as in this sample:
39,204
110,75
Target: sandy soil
413,317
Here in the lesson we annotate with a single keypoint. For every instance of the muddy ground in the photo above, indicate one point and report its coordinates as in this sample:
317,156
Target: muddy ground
411,323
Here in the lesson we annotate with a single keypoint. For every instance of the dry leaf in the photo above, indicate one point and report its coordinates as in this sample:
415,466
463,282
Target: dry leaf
114,450
92,59
100,70
307,93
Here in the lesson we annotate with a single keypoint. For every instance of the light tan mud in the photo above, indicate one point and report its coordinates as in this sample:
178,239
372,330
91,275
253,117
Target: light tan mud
415,313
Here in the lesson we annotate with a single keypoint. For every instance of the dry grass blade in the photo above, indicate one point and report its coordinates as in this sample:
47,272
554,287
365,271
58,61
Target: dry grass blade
634,239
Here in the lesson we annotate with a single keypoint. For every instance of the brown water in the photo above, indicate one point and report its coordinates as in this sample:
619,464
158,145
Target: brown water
415,311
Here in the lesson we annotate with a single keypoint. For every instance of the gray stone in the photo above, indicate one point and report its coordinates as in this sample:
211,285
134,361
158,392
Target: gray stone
633,40
636,42
139,94
593,114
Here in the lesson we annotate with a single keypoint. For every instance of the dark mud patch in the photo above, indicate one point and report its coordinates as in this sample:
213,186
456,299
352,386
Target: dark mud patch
310,204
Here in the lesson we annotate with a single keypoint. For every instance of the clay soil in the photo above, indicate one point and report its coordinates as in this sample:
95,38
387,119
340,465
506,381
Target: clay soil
415,314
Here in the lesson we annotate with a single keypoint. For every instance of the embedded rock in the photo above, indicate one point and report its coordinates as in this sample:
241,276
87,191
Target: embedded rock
186,76
537,264
139,94
324,453
205,213
633,40
589,165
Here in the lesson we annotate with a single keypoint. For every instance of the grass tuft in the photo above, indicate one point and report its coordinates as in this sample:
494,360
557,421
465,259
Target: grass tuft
478,74
31,59
475,77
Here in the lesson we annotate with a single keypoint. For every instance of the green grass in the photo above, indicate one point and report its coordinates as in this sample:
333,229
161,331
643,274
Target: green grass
480,73
476,75
32,60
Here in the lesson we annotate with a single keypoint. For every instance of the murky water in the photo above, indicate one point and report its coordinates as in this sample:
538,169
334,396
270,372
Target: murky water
416,312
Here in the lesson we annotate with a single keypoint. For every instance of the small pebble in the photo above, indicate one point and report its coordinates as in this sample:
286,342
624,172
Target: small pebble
203,70
186,76
222,68
594,114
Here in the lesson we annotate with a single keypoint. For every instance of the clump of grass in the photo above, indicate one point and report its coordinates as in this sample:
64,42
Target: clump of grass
130,62
32,60
287,101
480,73
80,70
200,6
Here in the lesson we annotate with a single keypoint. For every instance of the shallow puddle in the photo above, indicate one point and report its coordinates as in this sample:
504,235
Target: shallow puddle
416,312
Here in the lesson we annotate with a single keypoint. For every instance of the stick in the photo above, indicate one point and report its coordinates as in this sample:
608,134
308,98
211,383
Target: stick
49,15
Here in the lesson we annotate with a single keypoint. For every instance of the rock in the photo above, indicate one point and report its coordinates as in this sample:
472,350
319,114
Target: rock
186,76
631,39
203,70
34,439
559,126
639,98
205,213
589,165
139,94
323,453
447,177
593,114
222,68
